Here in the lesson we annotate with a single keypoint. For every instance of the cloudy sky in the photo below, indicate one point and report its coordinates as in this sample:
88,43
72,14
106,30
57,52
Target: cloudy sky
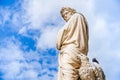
28,30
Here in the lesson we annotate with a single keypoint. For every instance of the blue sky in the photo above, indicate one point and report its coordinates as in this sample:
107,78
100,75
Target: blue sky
28,30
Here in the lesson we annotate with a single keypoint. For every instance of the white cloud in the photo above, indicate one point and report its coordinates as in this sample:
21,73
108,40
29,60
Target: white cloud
10,55
48,38
15,20
13,62
4,15
100,28
22,30
37,11
10,18
18,64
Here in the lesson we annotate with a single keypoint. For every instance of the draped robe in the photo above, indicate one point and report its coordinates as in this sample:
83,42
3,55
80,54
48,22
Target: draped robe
72,41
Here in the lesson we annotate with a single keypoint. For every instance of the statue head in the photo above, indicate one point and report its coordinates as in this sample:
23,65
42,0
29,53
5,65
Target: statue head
67,12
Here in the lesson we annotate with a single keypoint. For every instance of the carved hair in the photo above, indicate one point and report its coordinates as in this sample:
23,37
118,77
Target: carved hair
67,9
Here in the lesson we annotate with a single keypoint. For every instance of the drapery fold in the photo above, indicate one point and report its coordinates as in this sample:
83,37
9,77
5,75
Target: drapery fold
75,31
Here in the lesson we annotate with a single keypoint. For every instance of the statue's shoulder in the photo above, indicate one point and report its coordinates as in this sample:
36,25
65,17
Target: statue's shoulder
78,15
75,17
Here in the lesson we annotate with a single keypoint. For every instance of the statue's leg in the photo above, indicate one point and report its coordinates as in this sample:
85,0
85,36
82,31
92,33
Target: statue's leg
68,67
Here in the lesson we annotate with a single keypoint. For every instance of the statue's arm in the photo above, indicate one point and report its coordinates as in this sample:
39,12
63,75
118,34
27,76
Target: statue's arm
59,39
83,34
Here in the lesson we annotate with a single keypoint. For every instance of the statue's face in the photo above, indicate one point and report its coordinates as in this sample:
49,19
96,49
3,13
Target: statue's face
67,15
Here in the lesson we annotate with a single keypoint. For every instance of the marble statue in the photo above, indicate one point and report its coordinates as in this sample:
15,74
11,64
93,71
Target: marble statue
72,41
